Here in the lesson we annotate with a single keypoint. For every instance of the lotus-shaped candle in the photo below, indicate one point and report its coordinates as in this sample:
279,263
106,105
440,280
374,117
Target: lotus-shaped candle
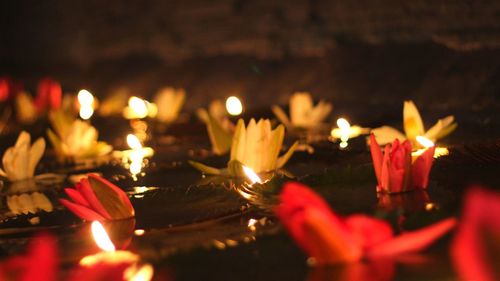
256,146
396,171
26,110
303,114
9,88
219,128
49,95
95,198
328,238
414,127
475,248
75,139
169,102
20,160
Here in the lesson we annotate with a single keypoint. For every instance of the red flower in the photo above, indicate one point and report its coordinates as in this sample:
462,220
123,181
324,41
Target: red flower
8,88
329,238
395,169
473,256
38,264
49,94
95,198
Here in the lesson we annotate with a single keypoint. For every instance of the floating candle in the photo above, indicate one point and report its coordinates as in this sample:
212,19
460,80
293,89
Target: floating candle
86,103
234,106
119,261
138,108
427,143
345,131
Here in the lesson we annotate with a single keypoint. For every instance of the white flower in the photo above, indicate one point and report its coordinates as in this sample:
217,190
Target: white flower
29,203
169,102
303,113
413,127
20,160
219,127
256,146
75,138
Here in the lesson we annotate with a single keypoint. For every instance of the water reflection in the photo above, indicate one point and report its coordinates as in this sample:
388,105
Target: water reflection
407,202
381,270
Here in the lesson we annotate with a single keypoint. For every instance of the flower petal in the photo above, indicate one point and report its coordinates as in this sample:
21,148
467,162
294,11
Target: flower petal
411,241
81,211
413,124
385,135
377,157
421,168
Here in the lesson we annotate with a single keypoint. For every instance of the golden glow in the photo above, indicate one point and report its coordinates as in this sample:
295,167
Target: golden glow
251,224
345,131
138,106
234,106
251,175
143,273
139,232
425,142
101,237
86,102
133,142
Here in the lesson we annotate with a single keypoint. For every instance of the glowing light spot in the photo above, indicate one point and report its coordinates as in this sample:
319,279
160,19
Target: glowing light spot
138,106
425,142
133,142
234,106
251,175
139,232
86,102
101,237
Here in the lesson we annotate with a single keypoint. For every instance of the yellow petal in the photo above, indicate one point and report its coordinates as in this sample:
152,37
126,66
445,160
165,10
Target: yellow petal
413,124
285,157
385,135
281,115
35,154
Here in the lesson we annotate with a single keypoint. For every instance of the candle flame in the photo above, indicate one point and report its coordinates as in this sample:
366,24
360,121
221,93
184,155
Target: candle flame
86,101
133,142
101,237
143,273
425,142
252,176
138,106
234,106
343,124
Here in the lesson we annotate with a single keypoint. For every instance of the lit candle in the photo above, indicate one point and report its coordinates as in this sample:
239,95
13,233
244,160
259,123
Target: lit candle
345,131
87,104
427,143
112,259
234,106
251,175
138,108
133,158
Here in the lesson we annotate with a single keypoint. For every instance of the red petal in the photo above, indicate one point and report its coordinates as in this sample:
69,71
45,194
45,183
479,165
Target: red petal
49,94
123,196
384,184
76,197
377,156
81,211
369,231
412,241
87,192
421,168
469,253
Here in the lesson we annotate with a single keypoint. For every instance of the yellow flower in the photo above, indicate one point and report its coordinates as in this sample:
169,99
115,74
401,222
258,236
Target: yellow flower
219,127
169,102
75,139
20,160
413,127
303,113
256,146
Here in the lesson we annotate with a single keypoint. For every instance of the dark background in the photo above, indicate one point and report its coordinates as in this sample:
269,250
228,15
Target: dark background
443,54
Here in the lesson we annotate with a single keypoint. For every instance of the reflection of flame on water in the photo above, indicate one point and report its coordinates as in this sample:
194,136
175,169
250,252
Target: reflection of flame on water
86,102
234,106
427,143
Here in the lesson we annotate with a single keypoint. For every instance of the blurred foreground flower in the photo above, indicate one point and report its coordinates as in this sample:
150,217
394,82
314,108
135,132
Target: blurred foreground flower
256,146
303,113
49,95
413,127
169,102
328,238
219,128
396,171
9,88
95,198
75,139
40,263
19,161
476,248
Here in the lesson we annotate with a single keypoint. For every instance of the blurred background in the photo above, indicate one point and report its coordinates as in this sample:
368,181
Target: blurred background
445,55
